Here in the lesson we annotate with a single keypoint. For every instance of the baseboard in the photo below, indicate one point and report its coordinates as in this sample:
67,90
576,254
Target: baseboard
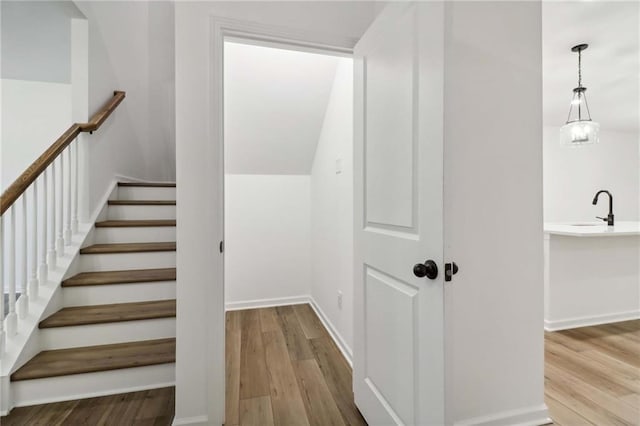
198,421
298,300
266,303
88,395
102,204
123,178
335,335
531,416
589,321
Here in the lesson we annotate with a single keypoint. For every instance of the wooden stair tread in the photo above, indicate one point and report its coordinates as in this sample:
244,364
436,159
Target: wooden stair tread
91,359
120,277
128,248
141,202
134,223
149,184
117,312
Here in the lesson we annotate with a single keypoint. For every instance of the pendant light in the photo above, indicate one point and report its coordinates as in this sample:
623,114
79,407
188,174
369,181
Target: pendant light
579,128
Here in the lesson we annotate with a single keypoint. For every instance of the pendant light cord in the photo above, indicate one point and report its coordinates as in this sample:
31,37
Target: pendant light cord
579,68
579,84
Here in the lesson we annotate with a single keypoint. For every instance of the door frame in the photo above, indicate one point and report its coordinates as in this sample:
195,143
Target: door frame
253,33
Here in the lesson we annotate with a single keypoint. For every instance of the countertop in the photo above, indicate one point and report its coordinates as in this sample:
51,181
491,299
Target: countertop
593,229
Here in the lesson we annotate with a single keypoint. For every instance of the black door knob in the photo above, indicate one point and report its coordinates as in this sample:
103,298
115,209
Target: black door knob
427,269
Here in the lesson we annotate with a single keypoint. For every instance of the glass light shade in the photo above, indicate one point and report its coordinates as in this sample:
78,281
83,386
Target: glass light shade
580,132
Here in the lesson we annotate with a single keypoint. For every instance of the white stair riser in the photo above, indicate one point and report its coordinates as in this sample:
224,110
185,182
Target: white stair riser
146,193
119,293
77,386
152,234
105,334
141,212
127,261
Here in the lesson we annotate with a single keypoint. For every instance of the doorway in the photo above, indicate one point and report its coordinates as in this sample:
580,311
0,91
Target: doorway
288,204
592,265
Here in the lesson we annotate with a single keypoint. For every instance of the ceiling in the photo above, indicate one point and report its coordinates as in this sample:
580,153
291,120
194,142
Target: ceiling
275,102
610,66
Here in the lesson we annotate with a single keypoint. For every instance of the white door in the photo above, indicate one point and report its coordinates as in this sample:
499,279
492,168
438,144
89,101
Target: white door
398,351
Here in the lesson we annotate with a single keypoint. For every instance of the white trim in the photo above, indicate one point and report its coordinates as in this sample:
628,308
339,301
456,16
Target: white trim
256,33
530,416
127,389
199,420
299,300
333,332
123,178
566,324
266,303
103,202
219,28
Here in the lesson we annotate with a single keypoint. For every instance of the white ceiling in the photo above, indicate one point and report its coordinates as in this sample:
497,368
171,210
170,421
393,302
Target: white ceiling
610,66
275,102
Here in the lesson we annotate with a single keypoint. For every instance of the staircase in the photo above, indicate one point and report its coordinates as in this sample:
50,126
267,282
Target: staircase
116,330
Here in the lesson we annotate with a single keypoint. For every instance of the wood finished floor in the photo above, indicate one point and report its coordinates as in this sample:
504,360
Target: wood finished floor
283,368
149,408
592,375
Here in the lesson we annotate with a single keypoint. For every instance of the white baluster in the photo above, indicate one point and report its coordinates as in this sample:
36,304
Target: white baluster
43,270
51,256
2,283
23,300
12,318
33,240
60,202
67,230
74,219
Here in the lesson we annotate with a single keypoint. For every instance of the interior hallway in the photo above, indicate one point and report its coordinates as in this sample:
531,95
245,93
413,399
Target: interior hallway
283,368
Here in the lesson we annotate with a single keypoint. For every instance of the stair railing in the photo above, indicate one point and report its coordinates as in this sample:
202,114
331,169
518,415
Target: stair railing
37,199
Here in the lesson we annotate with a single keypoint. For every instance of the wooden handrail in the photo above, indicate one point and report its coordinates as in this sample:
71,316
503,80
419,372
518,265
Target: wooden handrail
20,185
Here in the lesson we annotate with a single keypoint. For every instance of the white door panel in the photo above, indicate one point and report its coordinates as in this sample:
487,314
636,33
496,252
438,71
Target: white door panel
398,351
390,110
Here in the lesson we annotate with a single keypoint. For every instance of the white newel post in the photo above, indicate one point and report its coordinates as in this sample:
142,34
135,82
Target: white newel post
67,230
12,318
51,256
43,269
23,300
33,241
59,213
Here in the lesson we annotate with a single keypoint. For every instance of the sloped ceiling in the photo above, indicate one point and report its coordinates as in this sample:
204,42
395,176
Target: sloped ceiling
610,66
275,102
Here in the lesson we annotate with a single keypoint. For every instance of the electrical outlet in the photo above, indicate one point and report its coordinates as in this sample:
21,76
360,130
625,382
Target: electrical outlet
339,300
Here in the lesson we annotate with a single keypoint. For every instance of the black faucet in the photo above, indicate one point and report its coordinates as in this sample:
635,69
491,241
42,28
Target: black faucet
609,218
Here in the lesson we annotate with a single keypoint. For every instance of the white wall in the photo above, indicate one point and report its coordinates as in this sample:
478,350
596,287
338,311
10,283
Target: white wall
36,42
573,175
610,68
36,81
267,238
198,160
34,115
493,212
332,208
273,117
131,49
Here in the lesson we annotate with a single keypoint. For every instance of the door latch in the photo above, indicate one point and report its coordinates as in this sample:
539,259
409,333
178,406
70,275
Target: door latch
221,246
450,269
